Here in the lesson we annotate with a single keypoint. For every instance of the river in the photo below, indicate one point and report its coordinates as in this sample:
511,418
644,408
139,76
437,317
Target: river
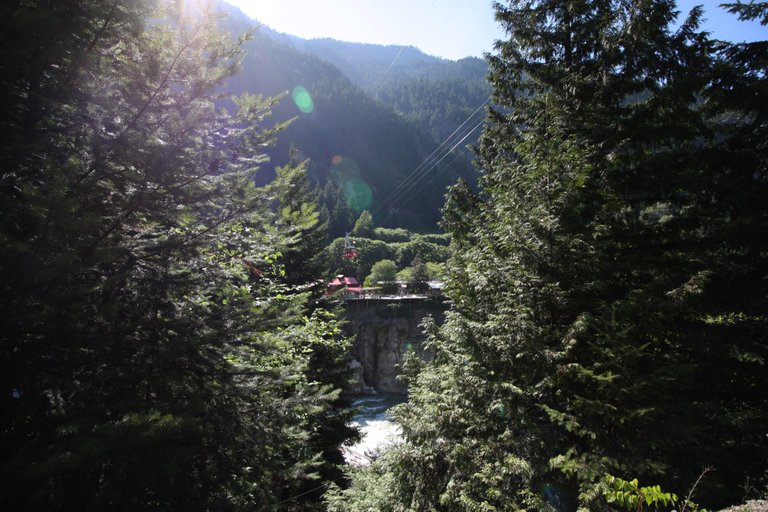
377,428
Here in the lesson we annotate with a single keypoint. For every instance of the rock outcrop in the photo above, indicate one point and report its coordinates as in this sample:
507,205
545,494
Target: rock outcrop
750,506
385,331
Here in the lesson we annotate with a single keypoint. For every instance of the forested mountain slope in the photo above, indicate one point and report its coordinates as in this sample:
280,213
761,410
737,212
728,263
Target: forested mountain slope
436,94
359,149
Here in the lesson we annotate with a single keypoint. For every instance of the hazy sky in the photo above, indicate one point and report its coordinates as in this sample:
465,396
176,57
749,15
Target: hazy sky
446,28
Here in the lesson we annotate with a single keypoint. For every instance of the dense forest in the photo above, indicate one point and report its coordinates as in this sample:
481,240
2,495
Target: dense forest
160,350
434,94
166,206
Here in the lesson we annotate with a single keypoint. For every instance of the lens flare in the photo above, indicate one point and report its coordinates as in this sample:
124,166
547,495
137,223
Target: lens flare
302,99
343,169
499,410
346,175
357,194
552,495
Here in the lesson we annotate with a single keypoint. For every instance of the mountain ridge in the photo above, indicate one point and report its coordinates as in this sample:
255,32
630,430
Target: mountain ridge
350,133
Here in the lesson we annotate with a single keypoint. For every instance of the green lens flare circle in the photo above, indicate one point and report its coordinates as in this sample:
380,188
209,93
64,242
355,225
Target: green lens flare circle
357,194
302,99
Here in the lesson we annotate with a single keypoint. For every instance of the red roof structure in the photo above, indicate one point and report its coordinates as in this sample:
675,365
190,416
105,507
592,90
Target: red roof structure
342,281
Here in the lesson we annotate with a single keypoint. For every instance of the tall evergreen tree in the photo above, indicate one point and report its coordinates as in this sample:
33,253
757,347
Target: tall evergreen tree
147,361
607,285
364,225
418,278
300,224
340,217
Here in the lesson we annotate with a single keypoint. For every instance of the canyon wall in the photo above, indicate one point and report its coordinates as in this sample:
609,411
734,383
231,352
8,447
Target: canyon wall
385,330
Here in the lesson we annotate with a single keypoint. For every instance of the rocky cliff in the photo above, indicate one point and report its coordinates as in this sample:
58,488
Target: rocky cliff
385,330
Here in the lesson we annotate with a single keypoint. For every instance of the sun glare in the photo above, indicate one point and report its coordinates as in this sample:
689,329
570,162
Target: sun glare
263,11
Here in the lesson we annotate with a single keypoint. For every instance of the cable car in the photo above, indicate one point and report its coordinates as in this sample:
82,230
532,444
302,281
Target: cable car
350,252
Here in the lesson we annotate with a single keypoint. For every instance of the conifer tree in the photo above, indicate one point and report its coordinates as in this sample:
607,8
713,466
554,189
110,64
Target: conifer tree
299,224
364,225
607,315
152,354
418,278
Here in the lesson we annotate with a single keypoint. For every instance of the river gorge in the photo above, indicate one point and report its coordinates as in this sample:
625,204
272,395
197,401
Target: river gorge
384,330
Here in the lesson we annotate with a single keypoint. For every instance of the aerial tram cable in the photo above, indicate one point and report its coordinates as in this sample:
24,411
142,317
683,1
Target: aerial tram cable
425,165
443,169
391,212
409,184
402,47
432,155
415,182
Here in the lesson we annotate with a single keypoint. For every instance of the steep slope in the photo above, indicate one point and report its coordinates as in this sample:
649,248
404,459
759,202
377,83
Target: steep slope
362,147
368,65
435,94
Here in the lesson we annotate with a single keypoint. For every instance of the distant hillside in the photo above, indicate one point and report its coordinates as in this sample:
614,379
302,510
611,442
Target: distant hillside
359,148
369,64
436,94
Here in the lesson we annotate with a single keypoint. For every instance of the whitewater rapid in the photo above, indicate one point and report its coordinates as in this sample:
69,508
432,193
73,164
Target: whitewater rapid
377,429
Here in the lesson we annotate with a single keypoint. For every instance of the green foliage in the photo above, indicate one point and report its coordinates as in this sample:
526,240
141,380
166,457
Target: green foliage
373,490
364,225
439,104
418,246
404,274
302,233
383,273
437,238
368,252
156,351
435,271
607,282
417,281
392,234
372,250
632,497
751,11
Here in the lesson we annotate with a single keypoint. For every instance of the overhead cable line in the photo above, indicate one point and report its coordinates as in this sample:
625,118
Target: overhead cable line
443,169
410,37
425,172
424,166
392,212
429,163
